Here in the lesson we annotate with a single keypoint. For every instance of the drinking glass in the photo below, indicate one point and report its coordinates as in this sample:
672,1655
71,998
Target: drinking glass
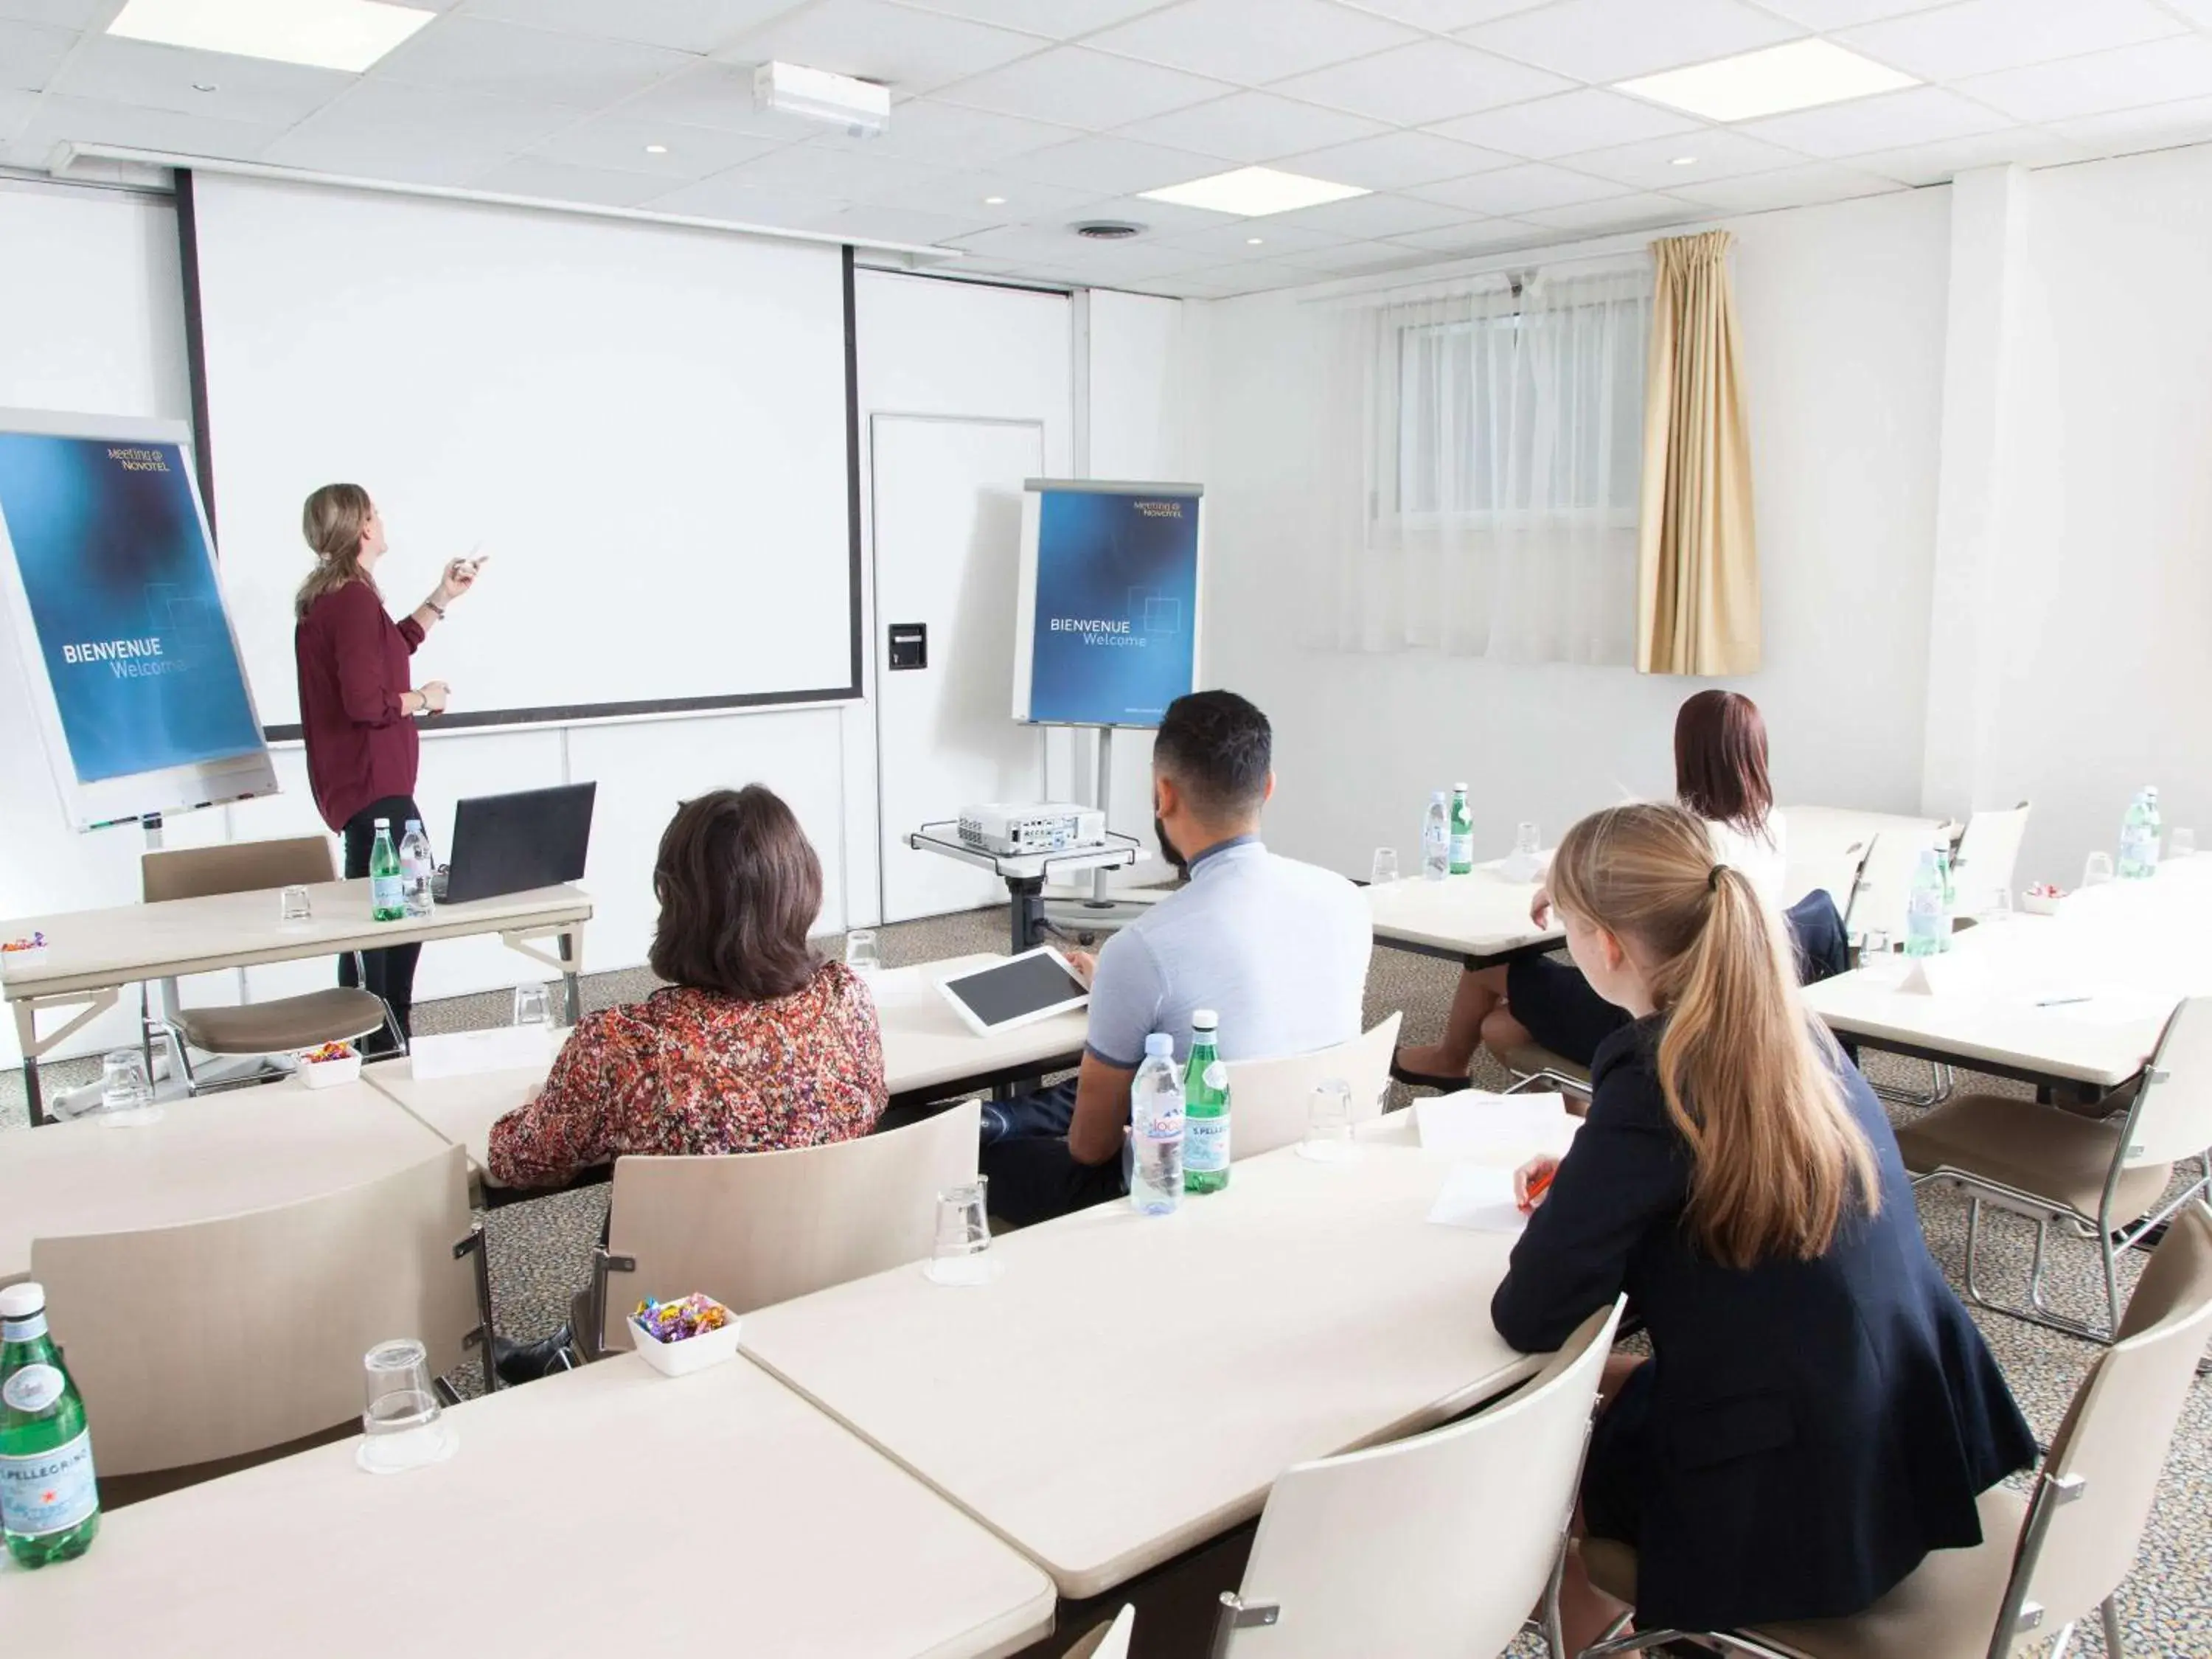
126,1097
292,906
1329,1124
1997,907
402,1427
961,1252
1527,840
1386,865
2097,871
860,953
2180,844
1873,946
533,1005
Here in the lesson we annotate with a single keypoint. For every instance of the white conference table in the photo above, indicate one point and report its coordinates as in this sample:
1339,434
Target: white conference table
1477,919
926,1051
1132,1386
216,1156
2082,997
91,955
606,1510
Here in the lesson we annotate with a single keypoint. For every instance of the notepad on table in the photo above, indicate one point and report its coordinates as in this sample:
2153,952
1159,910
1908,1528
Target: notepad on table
1480,1198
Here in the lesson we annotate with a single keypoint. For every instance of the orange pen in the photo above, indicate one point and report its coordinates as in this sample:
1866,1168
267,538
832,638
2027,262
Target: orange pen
1539,1184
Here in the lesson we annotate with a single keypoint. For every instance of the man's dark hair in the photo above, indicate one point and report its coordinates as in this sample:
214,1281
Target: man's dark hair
1218,749
738,886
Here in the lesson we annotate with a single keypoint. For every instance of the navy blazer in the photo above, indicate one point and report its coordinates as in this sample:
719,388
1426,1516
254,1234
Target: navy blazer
1806,1431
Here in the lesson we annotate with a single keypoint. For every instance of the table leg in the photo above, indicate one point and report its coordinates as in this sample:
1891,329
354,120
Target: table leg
570,983
26,1033
1027,896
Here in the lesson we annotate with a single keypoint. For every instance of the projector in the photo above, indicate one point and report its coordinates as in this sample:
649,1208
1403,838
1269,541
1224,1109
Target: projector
1054,827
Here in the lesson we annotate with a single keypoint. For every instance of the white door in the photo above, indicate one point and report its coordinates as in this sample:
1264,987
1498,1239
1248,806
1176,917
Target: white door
946,500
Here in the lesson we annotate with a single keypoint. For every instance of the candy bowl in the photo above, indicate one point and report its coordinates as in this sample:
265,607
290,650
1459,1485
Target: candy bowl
679,1337
22,955
329,1065
2043,899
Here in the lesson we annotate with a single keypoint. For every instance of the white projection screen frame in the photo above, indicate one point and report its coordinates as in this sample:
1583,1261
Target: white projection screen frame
648,428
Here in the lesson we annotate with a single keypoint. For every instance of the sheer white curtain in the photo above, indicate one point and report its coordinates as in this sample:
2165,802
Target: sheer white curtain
1486,470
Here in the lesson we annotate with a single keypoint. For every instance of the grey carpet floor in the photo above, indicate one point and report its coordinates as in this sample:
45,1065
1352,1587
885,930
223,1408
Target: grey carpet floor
540,1250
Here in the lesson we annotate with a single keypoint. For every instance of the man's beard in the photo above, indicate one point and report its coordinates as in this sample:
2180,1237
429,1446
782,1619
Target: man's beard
1167,849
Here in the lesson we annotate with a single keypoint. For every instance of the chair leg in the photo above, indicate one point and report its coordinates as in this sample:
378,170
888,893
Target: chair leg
2115,1648
1635,1641
2035,1271
1973,1248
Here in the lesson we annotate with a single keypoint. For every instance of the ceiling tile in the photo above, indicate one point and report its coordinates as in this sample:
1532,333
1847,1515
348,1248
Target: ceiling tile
1060,20
881,222
910,50
698,25
722,198
1429,82
1798,186
2187,121
1719,153
1109,167
526,175
393,129
1053,244
1123,262
165,77
30,53
1164,218
1253,276
1214,284
58,119
1888,120
504,60
1935,164
616,143
966,194
1371,215
1608,40
58,14
1981,36
1083,88
1251,41
1515,190
721,96
1586,119
949,135
15,107
1828,14
2198,12
1644,210
1234,241
1480,236
1394,159
1445,15
842,175
2158,72
1252,126
1346,257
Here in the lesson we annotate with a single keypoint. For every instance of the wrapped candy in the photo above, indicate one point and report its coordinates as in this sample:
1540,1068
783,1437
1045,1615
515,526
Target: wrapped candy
673,1322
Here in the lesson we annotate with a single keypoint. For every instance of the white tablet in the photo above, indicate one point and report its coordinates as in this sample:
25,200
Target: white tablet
1033,985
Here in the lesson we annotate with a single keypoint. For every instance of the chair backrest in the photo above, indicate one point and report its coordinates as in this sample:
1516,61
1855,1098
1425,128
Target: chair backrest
2114,1440
1989,853
1107,1641
1817,935
1831,870
2172,1116
1269,1098
1892,858
216,1338
751,1228
239,866
1438,1544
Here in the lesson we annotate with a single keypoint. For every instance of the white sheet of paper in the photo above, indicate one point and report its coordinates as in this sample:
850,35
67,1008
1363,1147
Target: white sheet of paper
470,1054
1476,1123
1479,1197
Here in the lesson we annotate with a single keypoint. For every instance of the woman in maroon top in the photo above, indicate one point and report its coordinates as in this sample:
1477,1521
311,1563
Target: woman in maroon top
357,709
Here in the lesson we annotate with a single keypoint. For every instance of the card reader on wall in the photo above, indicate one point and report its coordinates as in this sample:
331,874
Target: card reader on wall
1053,827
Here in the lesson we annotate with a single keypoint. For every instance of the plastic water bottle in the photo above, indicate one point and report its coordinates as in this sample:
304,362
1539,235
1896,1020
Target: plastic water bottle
1436,840
1206,1108
1155,1124
1942,851
387,897
48,1504
2138,858
1924,917
1462,832
415,868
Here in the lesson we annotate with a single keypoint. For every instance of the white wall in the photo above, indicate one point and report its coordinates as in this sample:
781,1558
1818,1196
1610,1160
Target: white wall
1843,311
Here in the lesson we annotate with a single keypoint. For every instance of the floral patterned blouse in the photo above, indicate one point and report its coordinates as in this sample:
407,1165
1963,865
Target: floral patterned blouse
690,1071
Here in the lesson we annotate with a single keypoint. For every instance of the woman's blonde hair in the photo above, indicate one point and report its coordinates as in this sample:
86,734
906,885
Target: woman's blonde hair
1750,1080
333,521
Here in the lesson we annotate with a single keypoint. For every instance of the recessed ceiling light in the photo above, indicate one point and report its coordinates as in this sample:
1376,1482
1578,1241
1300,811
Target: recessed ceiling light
338,34
994,201
1799,75
203,85
1254,191
1684,162
656,149
1254,241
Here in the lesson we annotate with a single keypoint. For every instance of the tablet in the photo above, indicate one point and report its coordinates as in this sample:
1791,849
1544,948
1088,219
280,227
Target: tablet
1033,985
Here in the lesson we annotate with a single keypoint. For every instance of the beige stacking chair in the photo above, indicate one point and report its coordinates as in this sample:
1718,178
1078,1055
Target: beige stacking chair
284,1025
2107,1176
1988,856
751,1228
1271,1098
1107,1641
1436,1545
2047,1561
216,1340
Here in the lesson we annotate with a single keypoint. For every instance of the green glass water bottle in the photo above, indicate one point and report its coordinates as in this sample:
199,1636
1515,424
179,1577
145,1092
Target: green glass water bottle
387,886
1462,832
49,1501
1205,1108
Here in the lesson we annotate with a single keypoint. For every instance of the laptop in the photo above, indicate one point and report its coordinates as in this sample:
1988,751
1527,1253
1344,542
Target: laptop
512,843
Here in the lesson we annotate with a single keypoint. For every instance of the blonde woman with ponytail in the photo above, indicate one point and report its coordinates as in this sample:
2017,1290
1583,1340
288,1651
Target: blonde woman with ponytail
1818,1412
357,707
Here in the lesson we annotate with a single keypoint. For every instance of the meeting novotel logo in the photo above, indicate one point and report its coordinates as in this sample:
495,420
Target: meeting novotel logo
125,659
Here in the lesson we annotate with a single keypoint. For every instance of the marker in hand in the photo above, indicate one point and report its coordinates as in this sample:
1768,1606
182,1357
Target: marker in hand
1532,1181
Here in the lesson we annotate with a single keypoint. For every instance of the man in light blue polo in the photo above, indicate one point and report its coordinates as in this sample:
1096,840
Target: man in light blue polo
1277,949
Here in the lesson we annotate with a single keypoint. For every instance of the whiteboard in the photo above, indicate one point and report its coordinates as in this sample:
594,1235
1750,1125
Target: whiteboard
646,426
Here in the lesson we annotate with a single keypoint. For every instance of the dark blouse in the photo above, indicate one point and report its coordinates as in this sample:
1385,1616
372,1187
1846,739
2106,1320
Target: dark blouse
353,664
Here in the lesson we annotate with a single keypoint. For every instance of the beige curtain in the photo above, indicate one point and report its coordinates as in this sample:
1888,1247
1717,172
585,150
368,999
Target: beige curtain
1696,600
